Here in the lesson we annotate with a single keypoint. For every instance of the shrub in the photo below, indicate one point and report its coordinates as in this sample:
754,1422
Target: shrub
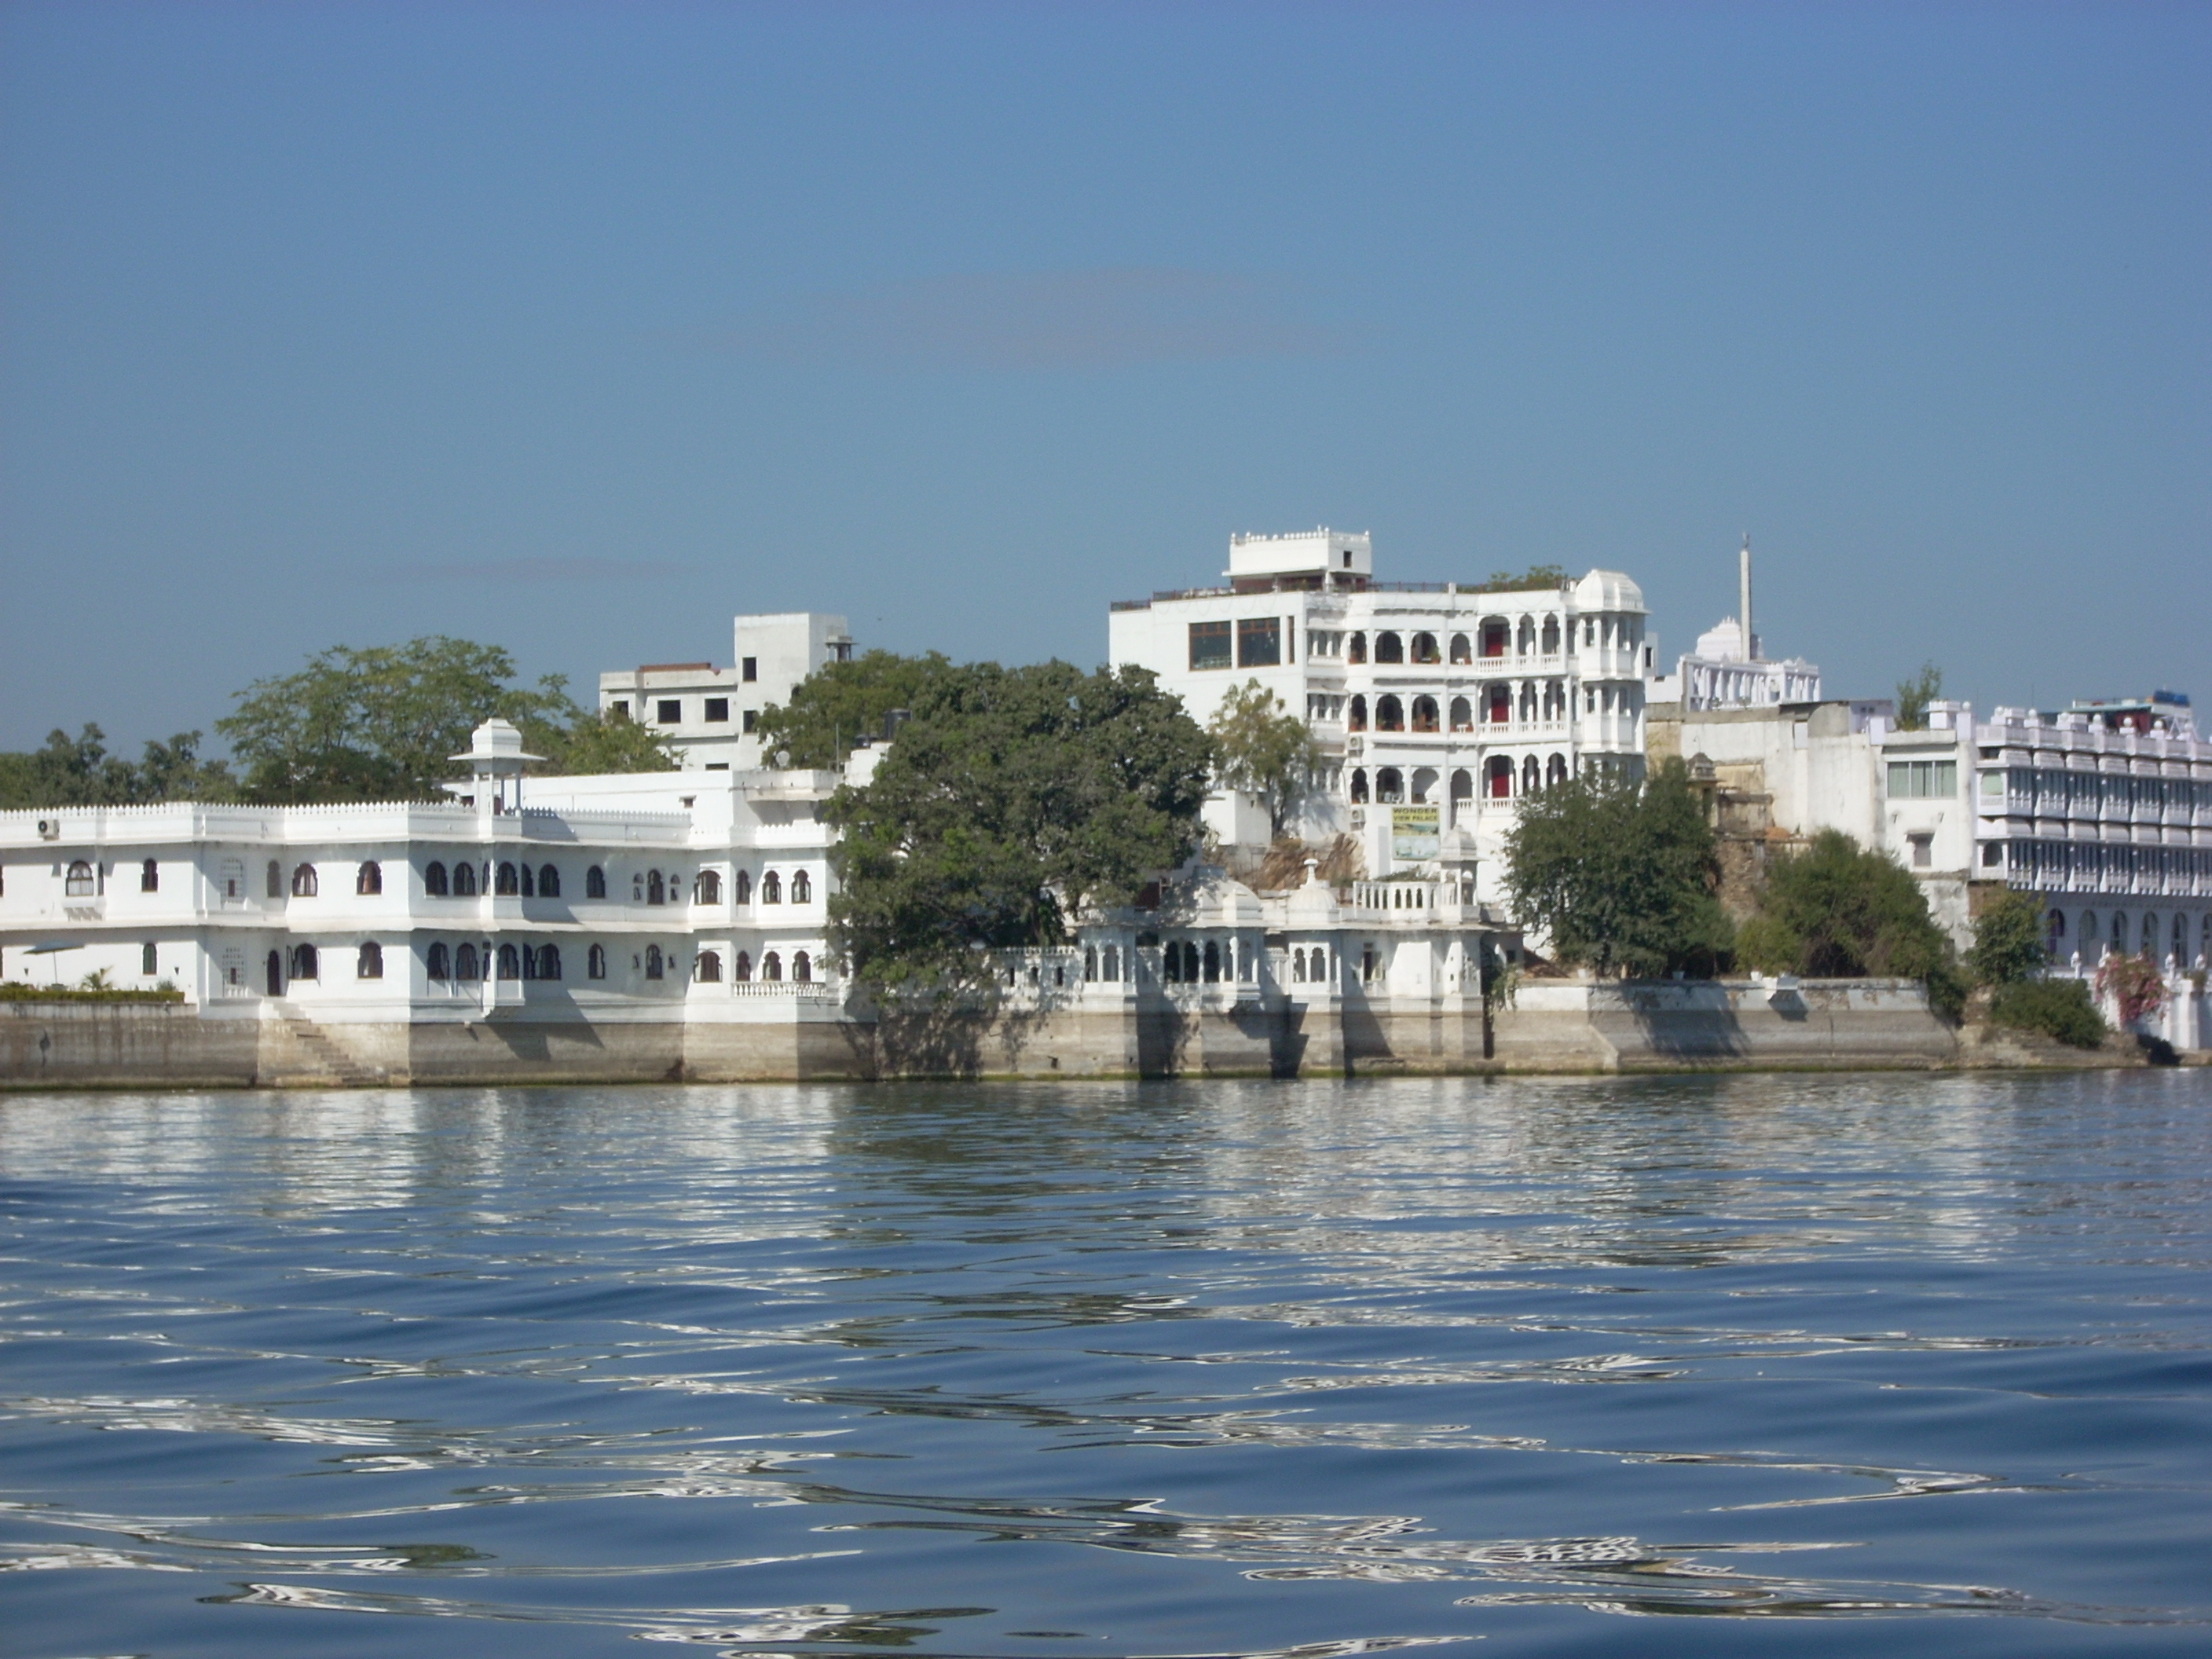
2134,984
2008,941
1838,911
2057,1007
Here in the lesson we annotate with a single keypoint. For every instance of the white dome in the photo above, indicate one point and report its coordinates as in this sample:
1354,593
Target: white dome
1608,590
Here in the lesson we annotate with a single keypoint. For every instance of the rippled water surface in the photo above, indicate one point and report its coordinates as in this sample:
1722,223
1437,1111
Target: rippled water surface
1850,1365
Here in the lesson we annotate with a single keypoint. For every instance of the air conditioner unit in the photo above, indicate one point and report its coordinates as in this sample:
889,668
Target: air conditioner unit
50,828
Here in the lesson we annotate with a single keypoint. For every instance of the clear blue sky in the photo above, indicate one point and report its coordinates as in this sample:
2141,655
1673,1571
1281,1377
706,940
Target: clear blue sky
579,329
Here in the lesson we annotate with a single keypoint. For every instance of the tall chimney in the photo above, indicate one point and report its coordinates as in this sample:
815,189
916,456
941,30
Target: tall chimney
1743,585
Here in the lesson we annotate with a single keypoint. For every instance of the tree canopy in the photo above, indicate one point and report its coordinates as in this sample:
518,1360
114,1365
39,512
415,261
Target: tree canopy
1913,696
1622,875
1536,576
80,772
1839,910
384,722
842,702
1267,751
1013,797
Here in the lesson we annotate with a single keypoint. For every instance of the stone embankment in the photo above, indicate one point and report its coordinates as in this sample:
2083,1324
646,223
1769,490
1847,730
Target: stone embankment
1555,1026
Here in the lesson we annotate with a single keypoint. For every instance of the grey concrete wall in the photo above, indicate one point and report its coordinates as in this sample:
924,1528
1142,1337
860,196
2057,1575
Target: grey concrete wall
95,1044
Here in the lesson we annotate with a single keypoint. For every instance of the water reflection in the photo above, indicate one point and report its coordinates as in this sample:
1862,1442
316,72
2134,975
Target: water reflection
847,1368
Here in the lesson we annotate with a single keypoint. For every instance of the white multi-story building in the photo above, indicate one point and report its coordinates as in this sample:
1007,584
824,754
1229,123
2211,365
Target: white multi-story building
708,716
1436,704
564,899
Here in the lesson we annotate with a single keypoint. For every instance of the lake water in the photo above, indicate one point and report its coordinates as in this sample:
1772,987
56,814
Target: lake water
1707,1365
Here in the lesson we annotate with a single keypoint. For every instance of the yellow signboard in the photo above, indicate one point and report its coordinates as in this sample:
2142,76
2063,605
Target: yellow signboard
1414,833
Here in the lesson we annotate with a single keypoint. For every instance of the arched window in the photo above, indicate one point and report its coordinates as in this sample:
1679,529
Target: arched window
2180,951
710,968
653,964
771,966
802,887
2120,934
1357,718
771,888
1528,699
504,885
78,883
1462,714
1388,648
305,963
1424,780
1552,636
1460,651
655,892
1501,777
1190,962
2150,936
1425,714
510,963
741,888
710,887
1389,786
549,962
275,969
549,881
1555,771
464,965
1532,779
1425,649
595,883
1110,964
437,963
1389,714
1089,964
1367,963
595,962
1213,968
304,884
1462,788
150,876
1500,699
1494,633
275,879
1360,785
742,968
433,879
529,882
369,961
802,967
1359,651
1172,964
369,879
149,960
1528,635
465,881
1298,967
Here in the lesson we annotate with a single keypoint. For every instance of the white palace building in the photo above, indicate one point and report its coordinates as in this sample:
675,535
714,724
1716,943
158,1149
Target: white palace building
1436,704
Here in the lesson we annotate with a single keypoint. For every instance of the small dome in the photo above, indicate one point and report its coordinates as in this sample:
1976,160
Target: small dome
1608,590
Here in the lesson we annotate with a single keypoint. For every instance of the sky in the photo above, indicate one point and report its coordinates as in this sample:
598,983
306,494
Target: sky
578,329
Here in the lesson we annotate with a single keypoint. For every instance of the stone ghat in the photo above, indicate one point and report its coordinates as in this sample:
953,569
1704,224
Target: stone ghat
1555,1026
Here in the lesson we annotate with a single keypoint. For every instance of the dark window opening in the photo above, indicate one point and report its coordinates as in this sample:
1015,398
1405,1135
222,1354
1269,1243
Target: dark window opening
718,709
1209,645
749,670
595,883
1260,643
1388,648
150,877
669,711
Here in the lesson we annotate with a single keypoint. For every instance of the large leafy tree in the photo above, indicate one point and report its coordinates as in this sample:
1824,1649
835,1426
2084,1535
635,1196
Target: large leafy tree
842,702
80,772
1267,751
1621,874
1013,797
2009,945
1839,910
383,723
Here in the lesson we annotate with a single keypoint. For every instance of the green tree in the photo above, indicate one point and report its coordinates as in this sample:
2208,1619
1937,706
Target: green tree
1838,911
2008,940
841,703
80,772
610,742
1012,798
1913,696
1265,751
1622,875
1536,576
383,723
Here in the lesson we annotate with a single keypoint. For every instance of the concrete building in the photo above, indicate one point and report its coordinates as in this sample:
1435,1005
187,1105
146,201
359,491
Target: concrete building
1437,705
706,715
